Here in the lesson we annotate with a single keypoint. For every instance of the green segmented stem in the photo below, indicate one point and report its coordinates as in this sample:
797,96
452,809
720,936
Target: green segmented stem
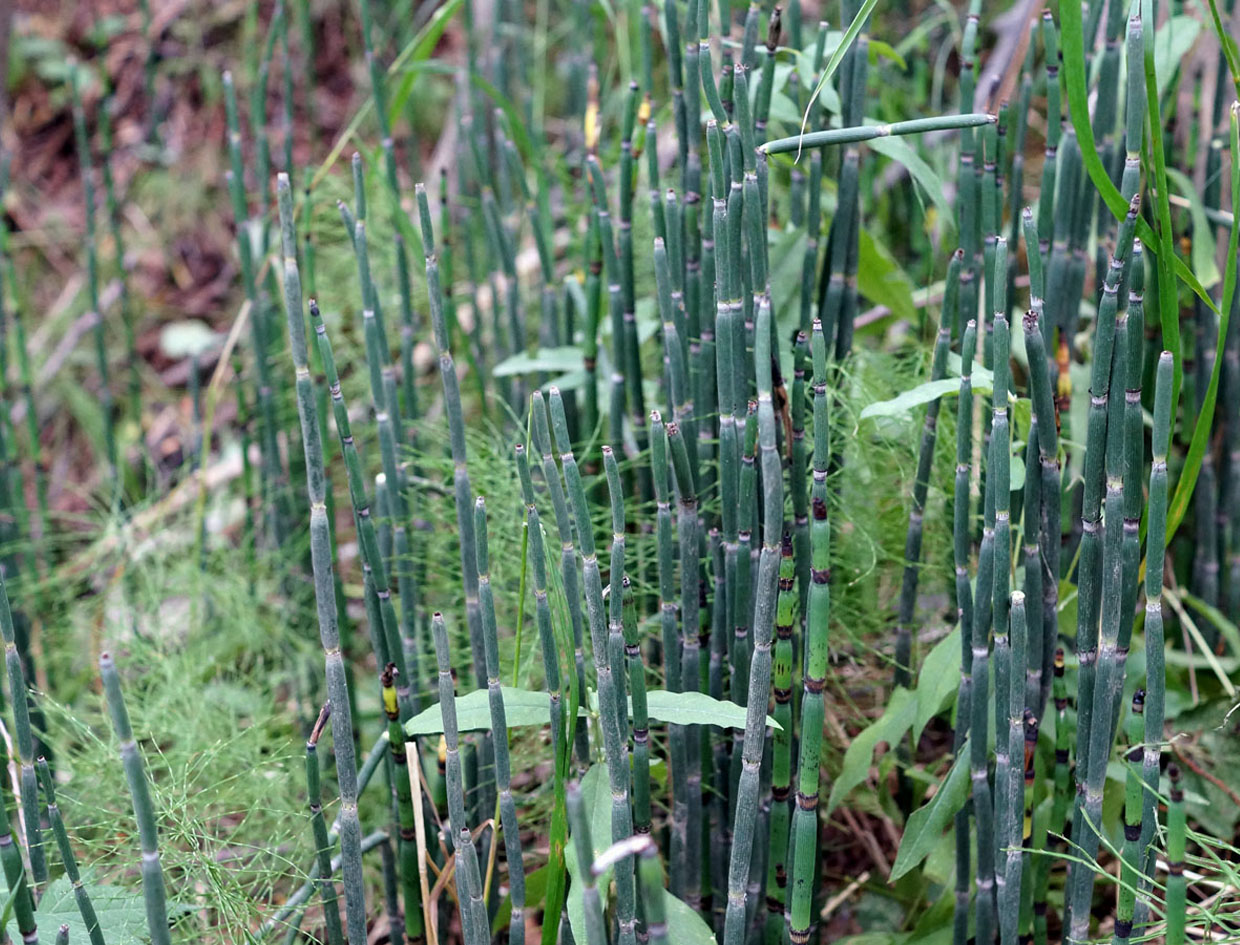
403,825
546,633
641,718
1091,552
1155,553
322,843
153,890
781,749
998,482
499,726
681,401
615,600
16,878
1134,443
921,482
321,557
842,236
20,695
1049,535
817,627
269,453
610,689
670,638
118,248
853,135
1134,788
1031,553
475,927
650,872
87,171
80,894
766,84
1177,887
979,722
297,901
1010,779
961,532
381,614
568,558
624,382
766,588
1054,124
690,647
456,430
387,419
1101,670
579,821
798,474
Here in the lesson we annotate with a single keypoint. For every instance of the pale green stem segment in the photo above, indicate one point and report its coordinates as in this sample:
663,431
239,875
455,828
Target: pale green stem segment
858,133
321,561
153,890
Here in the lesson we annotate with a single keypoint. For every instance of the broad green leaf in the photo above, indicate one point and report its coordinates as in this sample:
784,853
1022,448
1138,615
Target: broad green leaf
1171,44
926,824
886,51
593,799
938,679
1016,472
545,360
121,912
1203,233
689,708
922,173
473,712
535,891
696,708
890,727
923,393
685,926
983,378
881,280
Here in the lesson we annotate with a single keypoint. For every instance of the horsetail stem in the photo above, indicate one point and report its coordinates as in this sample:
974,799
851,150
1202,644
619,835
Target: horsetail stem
781,751
921,482
1130,859
322,843
1177,886
760,669
403,823
456,431
596,931
153,890
1155,656
499,725
671,640
80,894
467,875
321,558
568,560
817,625
87,171
610,688
546,633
